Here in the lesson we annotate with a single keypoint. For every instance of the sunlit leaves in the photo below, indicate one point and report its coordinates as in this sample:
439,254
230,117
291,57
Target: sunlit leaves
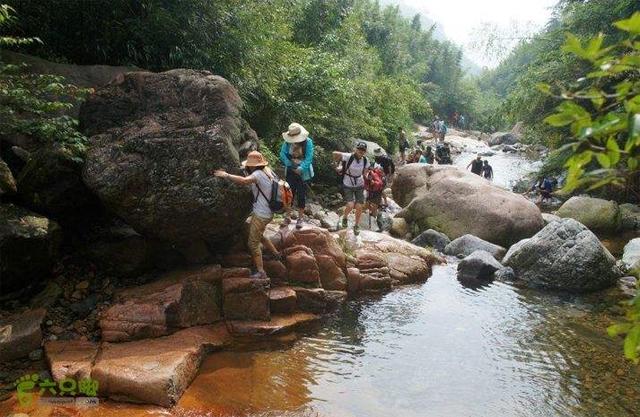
606,136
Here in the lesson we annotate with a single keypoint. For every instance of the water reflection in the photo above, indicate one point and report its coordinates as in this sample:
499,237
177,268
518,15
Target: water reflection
440,349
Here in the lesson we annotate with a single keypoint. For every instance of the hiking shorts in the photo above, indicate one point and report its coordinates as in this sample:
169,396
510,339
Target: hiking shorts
257,225
353,194
374,197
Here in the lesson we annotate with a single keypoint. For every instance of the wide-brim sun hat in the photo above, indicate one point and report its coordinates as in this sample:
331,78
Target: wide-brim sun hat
255,159
295,134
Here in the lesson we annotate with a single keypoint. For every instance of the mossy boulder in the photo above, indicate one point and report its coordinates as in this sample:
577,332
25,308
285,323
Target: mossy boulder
595,213
7,182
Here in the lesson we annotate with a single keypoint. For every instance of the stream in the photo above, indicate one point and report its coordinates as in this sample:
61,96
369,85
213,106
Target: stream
436,349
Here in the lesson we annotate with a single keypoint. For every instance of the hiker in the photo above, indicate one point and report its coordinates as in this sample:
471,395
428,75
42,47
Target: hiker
374,184
443,130
260,178
461,122
427,156
353,171
545,187
443,154
487,171
403,143
476,165
388,167
296,154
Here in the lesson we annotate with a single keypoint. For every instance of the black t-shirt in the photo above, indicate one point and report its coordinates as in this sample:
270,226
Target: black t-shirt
476,166
387,164
487,171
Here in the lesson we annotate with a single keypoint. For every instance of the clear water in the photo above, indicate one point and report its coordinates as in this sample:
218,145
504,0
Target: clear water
437,349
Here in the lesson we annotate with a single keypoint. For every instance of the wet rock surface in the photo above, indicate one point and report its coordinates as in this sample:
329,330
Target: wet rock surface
432,238
21,334
468,244
479,265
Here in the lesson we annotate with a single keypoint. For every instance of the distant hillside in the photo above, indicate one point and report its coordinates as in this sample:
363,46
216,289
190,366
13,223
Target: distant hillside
408,10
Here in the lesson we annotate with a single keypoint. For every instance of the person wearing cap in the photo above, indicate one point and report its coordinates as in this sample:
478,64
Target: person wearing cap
354,170
260,178
388,167
296,154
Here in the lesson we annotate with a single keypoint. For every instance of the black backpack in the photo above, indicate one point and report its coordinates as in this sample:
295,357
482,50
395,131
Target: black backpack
345,167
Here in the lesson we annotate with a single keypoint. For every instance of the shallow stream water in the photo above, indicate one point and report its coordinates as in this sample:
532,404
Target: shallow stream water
436,349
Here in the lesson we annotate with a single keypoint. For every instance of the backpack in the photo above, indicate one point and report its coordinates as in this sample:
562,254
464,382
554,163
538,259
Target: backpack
281,195
345,167
375,182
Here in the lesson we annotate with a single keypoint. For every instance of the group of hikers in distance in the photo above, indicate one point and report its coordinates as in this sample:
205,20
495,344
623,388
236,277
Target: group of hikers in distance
363,182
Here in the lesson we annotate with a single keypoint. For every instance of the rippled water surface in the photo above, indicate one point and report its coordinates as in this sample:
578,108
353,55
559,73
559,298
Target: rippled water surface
438,349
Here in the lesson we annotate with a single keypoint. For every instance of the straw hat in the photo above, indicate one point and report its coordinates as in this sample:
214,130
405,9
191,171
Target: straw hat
255,159
295,134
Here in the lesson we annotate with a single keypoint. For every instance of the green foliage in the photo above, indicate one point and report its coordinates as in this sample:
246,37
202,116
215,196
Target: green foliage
342,68
603,117
34,104
603,113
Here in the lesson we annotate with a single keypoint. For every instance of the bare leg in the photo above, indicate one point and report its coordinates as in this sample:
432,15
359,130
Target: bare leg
358,213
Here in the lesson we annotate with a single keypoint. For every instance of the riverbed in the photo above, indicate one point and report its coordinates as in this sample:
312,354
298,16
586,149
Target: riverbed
437,349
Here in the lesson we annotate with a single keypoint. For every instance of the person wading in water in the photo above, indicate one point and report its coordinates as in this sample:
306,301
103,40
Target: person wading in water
353,171
476,165
296,154
260,178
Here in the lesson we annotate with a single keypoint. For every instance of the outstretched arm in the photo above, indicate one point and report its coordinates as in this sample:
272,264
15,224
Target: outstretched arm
237,179
337,156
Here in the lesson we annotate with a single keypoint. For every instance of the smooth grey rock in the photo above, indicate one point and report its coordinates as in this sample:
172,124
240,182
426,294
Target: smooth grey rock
548,218
480,265
631,256
468,244
629,216
432,238
564,255
21,334
595,213
505,274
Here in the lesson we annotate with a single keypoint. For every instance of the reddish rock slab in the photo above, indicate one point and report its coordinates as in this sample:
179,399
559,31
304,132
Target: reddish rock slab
237,260
278,324
70,358
162,307
332,276
320,241
282,300
235,272
276,271
302,266
21,334
245,299
312,300
155,371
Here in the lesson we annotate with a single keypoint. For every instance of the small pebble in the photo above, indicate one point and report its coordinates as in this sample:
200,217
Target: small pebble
35,355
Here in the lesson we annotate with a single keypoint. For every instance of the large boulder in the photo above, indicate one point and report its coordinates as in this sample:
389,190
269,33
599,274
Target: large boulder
468,244
70,358
503,138
565,255
154,140
595,213
457,202
51,183
246,299
29,245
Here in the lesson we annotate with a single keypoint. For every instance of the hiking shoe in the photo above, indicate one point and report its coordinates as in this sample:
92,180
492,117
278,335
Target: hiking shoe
356,230
299,223
259,275
345,223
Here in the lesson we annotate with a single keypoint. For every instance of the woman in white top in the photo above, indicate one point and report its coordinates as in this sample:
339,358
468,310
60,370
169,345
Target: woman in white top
259,178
